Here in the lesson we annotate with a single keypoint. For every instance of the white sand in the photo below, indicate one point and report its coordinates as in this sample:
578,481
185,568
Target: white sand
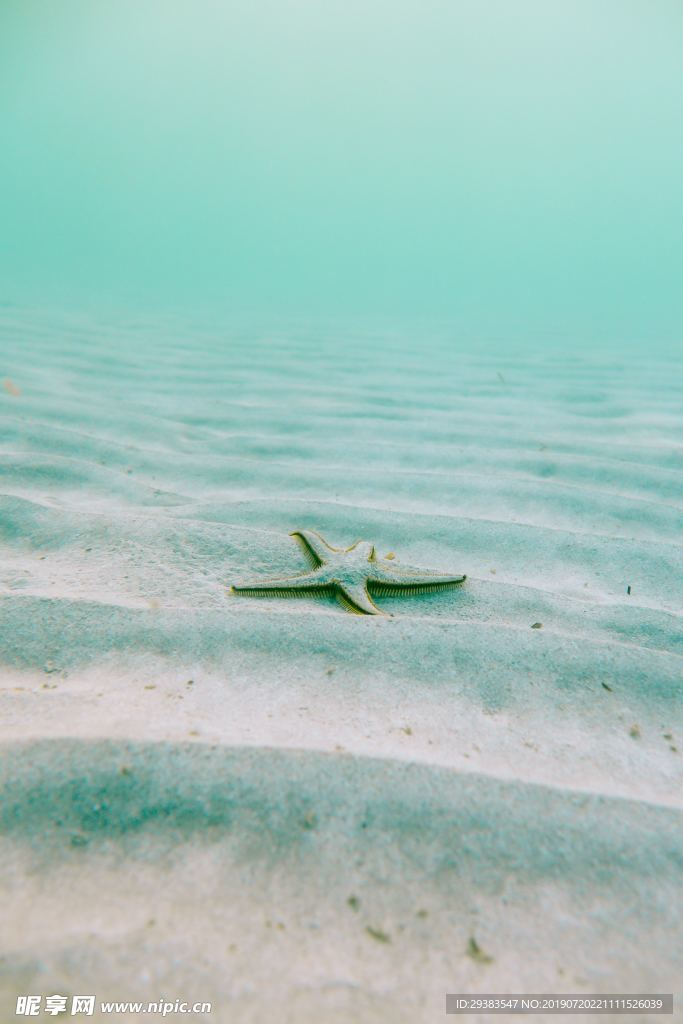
452,771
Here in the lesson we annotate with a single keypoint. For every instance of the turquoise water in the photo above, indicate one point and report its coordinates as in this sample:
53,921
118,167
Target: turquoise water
400,272
512,167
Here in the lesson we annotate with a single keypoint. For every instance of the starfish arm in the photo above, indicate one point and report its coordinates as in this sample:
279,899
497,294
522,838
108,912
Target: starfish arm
393,579
355,597
313,580
317,549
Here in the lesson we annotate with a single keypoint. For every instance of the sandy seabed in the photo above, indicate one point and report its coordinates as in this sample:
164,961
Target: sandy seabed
305,815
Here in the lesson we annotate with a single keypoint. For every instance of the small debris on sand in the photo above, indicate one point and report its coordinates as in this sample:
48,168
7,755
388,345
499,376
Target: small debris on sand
628,589
11,388
378,934
605,686
390,555
353,902
475,951
407,730
310,820
634,731
537,625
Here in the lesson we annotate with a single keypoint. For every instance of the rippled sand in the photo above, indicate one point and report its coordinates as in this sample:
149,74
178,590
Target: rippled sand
299,813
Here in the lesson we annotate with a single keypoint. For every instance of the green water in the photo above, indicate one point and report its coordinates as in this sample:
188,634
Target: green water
511,167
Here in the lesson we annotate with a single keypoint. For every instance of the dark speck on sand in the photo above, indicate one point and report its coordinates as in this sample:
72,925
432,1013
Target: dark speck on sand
475,951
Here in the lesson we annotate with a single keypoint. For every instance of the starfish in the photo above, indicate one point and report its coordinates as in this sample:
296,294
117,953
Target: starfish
349,573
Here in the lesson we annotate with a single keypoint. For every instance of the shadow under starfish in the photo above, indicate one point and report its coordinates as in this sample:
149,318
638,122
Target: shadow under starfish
351,574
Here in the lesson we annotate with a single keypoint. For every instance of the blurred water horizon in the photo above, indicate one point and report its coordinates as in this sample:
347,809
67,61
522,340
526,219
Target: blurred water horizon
511,169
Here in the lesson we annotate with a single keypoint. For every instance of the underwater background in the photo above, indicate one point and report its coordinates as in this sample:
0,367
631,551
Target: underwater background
402,272
511,167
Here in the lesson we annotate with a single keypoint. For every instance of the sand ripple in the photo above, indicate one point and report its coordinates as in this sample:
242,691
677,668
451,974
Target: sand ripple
234,771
